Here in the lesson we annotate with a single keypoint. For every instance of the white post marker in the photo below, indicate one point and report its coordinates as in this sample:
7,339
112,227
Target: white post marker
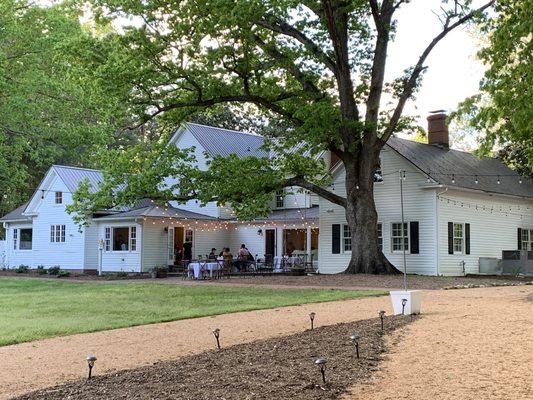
100,250
404,301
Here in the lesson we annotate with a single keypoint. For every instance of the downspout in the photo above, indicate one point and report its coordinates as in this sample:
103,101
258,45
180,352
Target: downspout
437,258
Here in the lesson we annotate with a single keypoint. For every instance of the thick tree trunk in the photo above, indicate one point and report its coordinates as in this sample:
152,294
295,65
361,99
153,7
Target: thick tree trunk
362,219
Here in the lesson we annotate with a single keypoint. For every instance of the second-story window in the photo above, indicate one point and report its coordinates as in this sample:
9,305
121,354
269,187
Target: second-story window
59,197
280,201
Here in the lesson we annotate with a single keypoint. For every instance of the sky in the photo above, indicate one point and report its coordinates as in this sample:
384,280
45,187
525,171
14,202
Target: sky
453,69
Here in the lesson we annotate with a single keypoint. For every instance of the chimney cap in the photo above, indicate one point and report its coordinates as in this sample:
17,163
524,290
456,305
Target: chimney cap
438,112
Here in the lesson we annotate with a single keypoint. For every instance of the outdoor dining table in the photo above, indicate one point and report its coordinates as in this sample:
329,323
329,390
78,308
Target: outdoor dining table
195,269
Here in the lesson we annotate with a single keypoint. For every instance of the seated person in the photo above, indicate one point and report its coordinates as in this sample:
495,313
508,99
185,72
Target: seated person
243,256
212,255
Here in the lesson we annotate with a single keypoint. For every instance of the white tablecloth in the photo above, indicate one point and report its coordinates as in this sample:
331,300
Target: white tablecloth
196,268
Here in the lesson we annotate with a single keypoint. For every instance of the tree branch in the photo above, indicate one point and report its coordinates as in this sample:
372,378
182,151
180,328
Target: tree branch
326,194
419,67
289,30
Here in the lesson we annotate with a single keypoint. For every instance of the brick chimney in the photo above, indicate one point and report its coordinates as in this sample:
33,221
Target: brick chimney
438,134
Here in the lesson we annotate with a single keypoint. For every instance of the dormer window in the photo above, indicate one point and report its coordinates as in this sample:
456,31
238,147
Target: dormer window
59,197
280,200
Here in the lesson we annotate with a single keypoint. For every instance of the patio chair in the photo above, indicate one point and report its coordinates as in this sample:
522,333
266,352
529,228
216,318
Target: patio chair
309,265
182,268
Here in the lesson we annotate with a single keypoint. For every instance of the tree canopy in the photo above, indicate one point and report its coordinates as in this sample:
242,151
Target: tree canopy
503,110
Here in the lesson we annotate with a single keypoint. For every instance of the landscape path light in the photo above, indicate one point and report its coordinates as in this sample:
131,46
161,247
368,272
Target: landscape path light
321,363
216,332
382,316
312,318
355,340
404,302
90,362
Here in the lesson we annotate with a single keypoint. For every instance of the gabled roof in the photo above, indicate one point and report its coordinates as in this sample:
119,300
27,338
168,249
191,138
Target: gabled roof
16,215
444,165
73,176
223,142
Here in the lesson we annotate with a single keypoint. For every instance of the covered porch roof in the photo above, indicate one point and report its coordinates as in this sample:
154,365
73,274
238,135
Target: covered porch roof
157,212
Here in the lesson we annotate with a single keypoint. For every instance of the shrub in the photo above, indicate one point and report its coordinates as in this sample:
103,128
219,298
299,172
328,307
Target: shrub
54,270
63,274
41,270
122,274
22,269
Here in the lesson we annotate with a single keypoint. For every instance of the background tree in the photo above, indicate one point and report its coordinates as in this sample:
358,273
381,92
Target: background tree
317,65
53,109
503,110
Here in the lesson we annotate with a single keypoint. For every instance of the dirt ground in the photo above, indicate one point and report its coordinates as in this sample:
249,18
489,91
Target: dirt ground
277,368
376,281
470,344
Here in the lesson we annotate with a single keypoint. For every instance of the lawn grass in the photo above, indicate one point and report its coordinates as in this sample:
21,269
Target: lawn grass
32,309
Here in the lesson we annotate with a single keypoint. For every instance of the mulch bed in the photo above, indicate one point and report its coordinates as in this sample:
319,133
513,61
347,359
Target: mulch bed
278,368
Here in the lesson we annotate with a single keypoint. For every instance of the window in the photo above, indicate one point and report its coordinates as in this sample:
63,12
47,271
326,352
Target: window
133,238
380,236
188,235
57,233
458,238
346,238
526,239
107,239
15,238
396,237
280,201
121,238
25,239
59,197
378,174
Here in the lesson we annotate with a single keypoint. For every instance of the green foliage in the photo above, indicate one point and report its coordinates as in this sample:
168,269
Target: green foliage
45,308
63,274
54,108
54,270
22,269
41,270
503,110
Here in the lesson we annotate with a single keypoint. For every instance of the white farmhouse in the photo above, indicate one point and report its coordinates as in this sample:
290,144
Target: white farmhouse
458,209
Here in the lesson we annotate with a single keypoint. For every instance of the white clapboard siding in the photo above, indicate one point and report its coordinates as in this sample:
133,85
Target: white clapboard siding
155,250
490,232
185,141
69,254
91,247
419,205
115,261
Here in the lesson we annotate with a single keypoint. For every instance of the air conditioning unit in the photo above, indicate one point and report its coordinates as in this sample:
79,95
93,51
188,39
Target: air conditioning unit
490,266
516,262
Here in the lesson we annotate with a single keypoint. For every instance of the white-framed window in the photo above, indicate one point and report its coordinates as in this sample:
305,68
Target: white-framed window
26,238
59,197
120,238
280,199
15,238
133,238
380,236
396,237
57,233
458,238
346,238
107,239
526,237
188,235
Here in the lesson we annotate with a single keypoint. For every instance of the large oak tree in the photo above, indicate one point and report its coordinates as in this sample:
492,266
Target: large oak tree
318,66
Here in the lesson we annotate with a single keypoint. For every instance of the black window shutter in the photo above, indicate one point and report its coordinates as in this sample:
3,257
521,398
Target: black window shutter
519,238
335,239
413,235
467,238
450,237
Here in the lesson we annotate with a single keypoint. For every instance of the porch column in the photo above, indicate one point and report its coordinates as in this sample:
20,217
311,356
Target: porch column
308,243
279,241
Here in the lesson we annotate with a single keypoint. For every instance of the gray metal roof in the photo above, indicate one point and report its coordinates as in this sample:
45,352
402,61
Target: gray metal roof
16,215
444,165
223,142
73,176
154,211
292,214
